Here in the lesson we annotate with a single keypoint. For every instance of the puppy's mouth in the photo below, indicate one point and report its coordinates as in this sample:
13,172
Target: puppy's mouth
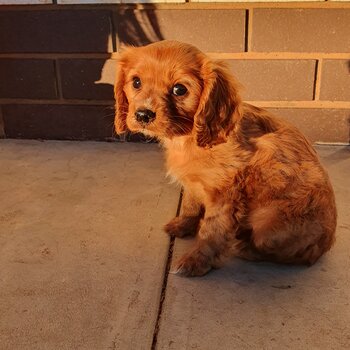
161,126
144,125
147,132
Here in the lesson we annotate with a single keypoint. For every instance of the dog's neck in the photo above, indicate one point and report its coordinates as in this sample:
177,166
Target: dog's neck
178,143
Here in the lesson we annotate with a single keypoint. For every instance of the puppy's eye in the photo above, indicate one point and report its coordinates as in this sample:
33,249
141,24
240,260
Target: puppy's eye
179,90
136,82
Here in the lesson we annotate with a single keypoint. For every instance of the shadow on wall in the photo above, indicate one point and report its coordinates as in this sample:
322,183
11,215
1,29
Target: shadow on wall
138,27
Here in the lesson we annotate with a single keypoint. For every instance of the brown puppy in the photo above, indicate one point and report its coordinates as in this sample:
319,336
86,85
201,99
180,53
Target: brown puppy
253,185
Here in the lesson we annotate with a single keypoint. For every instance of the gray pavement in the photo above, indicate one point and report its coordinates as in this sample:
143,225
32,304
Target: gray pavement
83,255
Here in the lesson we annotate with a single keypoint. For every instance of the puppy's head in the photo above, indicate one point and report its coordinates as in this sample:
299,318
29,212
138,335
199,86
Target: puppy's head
169,89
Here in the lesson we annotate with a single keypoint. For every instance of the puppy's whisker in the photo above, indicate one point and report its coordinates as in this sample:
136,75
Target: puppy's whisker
182,127
183,117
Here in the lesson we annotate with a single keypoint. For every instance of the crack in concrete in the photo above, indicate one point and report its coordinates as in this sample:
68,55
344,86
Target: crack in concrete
165,281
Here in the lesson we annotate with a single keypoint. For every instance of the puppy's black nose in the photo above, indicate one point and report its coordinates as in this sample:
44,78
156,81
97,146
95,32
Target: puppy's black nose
144,115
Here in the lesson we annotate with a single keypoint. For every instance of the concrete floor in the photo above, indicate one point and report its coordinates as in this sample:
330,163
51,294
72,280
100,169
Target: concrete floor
82,261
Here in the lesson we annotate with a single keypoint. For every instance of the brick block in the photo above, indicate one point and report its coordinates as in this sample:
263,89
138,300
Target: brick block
27,78
25,2
324,125
2,130
68,2
55,31
214,30
335,82
275,79
58,122
301,30
87,78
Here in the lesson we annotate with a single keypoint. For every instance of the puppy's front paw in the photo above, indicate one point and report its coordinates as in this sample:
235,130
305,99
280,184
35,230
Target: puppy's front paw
182,226
194,263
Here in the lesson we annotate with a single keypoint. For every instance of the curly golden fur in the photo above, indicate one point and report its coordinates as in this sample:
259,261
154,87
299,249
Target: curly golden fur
253,185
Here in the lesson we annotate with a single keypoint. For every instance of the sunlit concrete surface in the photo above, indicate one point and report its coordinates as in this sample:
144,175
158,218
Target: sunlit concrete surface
82,253
249,305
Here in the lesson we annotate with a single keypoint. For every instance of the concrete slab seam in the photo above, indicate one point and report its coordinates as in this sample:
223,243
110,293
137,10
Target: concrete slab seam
165,280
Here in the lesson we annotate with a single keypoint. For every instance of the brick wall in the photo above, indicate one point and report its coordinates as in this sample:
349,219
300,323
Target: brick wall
57,61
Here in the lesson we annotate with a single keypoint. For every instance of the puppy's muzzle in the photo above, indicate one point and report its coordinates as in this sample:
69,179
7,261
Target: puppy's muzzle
144,116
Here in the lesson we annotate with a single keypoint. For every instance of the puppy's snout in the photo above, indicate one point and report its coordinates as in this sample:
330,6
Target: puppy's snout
144,116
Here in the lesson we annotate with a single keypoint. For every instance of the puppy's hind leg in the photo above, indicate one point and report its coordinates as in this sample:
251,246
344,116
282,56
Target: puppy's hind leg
297,240
188,222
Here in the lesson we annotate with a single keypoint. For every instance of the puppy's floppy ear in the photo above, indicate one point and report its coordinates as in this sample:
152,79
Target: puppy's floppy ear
121,102
218,106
